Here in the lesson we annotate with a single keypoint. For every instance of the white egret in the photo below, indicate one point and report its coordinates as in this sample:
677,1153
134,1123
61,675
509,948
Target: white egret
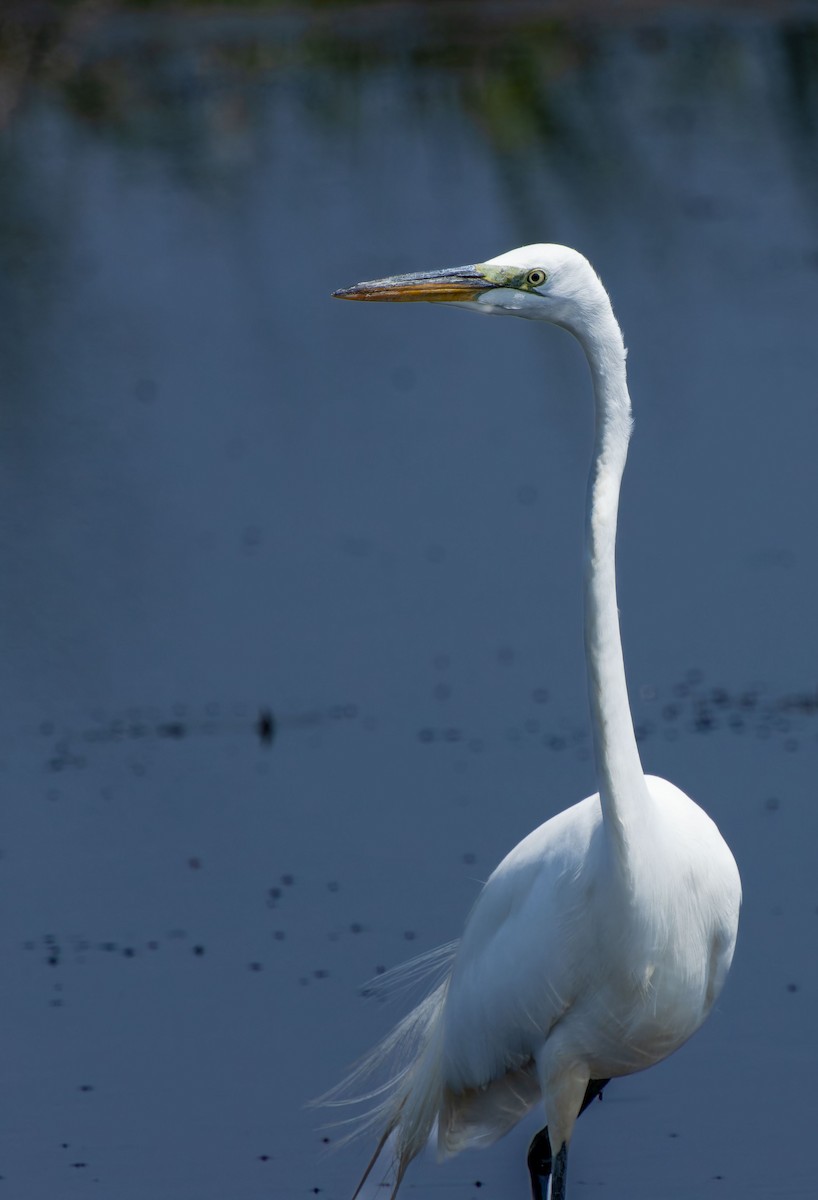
600,943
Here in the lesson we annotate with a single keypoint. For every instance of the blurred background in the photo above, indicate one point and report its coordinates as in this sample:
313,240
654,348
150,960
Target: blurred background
290,610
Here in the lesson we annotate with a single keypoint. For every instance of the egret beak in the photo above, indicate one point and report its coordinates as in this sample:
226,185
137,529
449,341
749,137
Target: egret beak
456,284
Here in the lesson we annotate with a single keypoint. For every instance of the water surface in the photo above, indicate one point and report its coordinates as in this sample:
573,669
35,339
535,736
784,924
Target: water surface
223,495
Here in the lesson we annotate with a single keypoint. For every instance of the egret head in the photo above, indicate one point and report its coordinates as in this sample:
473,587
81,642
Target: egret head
541,282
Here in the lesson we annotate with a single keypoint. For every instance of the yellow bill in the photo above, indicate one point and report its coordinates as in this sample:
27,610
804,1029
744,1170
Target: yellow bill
455,284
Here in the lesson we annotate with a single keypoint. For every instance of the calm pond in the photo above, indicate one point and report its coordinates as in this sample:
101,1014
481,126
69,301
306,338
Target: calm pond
291,602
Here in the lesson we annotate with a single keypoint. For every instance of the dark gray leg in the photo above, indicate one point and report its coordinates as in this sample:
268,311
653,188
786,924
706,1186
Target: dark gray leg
540,1159
539,1164
559,1173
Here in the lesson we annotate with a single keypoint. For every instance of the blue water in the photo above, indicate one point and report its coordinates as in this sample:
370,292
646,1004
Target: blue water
222,494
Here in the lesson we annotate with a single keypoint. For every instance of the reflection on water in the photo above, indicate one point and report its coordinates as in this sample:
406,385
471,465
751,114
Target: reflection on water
129,67
290,606
583,94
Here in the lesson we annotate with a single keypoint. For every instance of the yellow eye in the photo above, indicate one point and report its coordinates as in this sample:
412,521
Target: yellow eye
536,277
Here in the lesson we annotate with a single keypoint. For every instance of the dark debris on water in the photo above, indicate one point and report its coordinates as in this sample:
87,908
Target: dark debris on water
71,746
691,705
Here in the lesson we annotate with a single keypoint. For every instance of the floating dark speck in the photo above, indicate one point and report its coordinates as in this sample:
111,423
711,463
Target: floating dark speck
198,951
333,885
171,729
792,987
288,880
266,727
468,858
86,1087
772,804
805,703
255,966
409,935
356,927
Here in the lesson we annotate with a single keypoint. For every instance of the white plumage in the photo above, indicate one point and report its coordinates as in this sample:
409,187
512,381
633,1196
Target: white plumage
599,944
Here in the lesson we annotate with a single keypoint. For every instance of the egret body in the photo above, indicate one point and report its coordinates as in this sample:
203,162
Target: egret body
601,941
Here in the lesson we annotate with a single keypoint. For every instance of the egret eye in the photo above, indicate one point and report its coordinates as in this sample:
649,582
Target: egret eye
536,277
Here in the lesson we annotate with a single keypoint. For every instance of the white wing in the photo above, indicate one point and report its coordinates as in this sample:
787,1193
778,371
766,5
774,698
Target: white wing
519,964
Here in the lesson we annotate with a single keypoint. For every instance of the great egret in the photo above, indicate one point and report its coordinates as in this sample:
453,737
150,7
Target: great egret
599,944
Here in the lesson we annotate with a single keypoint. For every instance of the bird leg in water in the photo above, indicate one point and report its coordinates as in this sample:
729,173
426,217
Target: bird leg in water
559,1173
539,1164
539,1152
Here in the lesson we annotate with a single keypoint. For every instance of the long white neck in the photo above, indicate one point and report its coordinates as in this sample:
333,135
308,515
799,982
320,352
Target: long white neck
622,787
